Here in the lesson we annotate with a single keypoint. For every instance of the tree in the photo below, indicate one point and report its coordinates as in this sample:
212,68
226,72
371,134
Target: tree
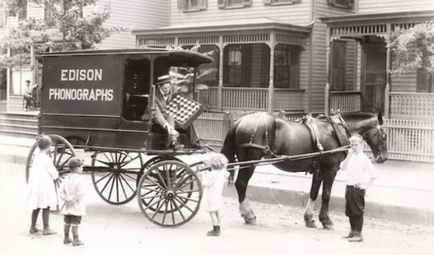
65,27
414,48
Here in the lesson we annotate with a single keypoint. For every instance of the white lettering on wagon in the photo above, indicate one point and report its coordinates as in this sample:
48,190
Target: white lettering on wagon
81,74
81,94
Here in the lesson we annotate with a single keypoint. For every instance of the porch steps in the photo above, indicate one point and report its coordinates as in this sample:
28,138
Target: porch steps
22,125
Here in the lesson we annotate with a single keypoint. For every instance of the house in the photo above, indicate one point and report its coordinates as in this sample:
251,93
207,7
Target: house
295,56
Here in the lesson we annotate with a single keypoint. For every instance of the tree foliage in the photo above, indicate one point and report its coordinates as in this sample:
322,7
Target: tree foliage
414,48
64,27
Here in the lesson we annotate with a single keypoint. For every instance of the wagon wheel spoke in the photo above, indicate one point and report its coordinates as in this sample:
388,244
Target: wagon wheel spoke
118,186
169,193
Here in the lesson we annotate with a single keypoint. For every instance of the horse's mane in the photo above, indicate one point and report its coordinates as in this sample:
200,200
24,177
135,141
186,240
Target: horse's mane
357,115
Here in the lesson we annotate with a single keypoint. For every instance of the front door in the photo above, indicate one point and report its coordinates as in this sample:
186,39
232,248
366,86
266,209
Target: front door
374,76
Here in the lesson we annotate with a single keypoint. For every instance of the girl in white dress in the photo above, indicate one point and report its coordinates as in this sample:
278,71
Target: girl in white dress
41,192
213,181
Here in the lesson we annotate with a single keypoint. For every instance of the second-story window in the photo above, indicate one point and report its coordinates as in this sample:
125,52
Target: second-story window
233,3
341,3
22,14
280,2
192,5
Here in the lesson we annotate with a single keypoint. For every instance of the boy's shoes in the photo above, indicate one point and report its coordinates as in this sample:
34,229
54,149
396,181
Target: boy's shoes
356,238
213,233
34,230
77,243
176,146
67,240
48,231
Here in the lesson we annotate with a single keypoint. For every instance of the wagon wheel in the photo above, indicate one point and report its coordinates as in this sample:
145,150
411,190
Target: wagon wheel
145,168
169,193
148,164
61,151
115,174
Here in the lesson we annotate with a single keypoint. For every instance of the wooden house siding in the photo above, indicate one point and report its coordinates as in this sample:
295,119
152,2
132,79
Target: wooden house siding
385,6
136,14
296,14
319,50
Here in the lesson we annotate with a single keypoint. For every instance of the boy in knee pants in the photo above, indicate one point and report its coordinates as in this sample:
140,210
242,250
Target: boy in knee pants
72,194
360,174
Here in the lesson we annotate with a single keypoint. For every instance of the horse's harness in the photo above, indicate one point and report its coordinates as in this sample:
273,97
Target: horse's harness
265,147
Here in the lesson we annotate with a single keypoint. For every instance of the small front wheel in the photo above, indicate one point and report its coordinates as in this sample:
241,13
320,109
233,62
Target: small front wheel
169,193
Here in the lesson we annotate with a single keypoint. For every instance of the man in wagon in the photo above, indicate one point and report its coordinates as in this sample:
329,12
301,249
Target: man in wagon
163,95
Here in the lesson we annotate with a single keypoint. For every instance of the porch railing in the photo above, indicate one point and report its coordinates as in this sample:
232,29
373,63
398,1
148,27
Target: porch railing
412,105
252,99
346,101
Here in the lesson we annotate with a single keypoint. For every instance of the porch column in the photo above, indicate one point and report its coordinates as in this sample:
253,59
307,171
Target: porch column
272,45
387,89
221,64
8,82
327,87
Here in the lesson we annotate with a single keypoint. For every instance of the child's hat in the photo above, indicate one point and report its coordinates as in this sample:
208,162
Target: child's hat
75,162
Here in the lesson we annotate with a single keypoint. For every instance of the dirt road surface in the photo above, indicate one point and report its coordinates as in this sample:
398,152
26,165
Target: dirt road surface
108,229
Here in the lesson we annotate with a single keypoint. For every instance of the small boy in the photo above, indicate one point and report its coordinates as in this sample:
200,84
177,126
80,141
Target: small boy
74,207
360,174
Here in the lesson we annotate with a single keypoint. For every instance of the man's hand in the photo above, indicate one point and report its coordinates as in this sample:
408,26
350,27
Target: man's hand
172,131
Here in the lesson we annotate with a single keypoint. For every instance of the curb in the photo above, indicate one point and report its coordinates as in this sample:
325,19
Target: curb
397,213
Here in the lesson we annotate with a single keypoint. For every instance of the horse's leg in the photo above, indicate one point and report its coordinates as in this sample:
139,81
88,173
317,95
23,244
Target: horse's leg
329,178
241,186
308,213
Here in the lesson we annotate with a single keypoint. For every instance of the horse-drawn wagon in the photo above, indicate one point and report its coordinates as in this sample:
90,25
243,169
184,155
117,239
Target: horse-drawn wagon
101,102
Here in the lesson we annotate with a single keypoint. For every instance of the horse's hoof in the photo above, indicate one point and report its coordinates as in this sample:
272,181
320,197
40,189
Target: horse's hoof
251,221
311,224
328,227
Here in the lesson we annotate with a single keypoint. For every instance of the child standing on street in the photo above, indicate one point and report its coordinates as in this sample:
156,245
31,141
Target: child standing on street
360,174
74,207
213,182
41,192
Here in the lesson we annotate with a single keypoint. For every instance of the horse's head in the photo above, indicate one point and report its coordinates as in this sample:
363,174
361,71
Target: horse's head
376,137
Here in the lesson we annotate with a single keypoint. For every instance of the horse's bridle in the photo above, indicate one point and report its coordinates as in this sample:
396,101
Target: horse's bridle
376,134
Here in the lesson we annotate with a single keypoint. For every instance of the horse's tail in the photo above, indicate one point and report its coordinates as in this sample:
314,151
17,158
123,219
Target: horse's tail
229,144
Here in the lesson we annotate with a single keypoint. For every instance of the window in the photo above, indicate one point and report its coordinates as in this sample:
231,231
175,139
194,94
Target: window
22,14
286,66
192,5
424,81
234,3
338,63
341,3
280,2
234,65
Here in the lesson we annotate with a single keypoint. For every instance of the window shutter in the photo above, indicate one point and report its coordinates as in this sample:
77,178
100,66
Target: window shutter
421,83
247,2
182,4
267,2
202,4
221,3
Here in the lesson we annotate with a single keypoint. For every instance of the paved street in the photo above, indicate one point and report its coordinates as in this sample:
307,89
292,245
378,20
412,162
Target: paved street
111,229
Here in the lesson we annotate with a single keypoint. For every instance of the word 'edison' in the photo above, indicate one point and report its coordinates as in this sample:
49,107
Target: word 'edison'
81,74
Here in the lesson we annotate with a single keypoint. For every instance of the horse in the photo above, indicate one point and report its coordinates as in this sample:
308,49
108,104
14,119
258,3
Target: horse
261,135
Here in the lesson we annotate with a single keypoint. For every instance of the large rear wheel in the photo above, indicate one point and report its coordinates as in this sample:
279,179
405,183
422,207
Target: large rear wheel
169,193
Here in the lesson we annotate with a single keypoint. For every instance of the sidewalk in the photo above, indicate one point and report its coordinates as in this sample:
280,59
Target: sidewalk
404,191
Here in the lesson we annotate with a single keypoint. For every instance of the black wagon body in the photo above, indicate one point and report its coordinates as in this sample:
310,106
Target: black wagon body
97,98
101,102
